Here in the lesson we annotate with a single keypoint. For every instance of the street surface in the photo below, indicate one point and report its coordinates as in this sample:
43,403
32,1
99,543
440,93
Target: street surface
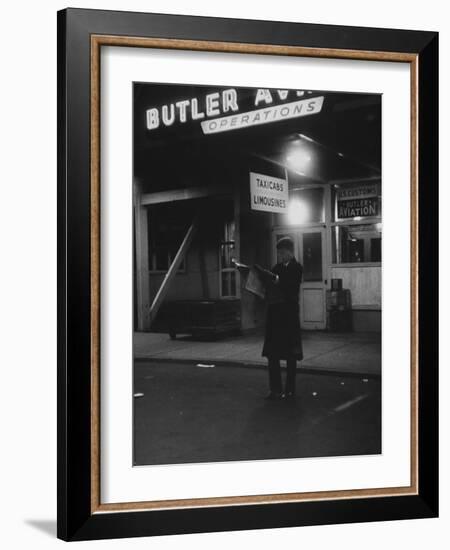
187,413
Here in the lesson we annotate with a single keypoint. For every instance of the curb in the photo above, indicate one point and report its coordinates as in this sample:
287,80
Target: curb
233,363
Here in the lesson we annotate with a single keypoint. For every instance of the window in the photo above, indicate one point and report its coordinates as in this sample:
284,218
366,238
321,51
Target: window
356,201
312,256
228,287
167,228
375,249
356,243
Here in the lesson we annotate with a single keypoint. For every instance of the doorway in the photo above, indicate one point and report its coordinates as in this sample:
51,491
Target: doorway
309,249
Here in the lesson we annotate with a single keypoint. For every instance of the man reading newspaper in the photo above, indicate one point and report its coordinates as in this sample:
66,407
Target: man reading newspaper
282,341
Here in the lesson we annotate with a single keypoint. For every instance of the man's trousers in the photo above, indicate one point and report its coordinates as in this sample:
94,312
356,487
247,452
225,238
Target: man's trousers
275,375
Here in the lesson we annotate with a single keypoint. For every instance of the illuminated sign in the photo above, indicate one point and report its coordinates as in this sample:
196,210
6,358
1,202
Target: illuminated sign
213,105
219,111
357,201
268,194
359,192
358,208
285,111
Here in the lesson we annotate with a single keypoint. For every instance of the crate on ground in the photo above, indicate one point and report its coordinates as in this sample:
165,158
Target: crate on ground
339,320
339,299
205,319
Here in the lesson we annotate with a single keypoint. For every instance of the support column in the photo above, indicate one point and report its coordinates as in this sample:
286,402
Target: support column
142,279
203,270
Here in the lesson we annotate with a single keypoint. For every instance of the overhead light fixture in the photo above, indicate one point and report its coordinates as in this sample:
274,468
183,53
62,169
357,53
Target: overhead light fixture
306,138
298,159
298,212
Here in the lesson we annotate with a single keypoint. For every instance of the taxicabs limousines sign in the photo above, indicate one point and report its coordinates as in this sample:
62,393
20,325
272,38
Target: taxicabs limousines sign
268,194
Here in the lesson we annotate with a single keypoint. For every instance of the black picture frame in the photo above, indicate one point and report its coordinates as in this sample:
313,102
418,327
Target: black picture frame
77,517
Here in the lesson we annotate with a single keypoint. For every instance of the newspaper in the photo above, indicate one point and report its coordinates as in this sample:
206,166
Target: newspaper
256,278
255,285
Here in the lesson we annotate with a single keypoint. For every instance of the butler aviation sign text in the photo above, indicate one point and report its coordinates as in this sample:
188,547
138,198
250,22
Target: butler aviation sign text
221,111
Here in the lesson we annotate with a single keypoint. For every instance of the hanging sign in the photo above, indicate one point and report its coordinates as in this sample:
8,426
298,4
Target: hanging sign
268,194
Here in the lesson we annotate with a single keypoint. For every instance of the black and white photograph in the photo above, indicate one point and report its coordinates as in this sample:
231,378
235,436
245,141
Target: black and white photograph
223,322
257,273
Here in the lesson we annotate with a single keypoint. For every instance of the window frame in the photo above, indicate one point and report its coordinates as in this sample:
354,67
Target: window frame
363,221
222,270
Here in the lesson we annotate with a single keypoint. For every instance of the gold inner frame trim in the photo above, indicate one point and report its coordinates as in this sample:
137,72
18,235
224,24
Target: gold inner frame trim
97,41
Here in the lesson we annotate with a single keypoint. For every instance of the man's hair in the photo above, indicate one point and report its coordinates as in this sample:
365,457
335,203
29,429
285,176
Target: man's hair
286,243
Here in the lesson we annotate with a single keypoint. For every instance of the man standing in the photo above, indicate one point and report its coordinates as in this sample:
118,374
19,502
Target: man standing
283,336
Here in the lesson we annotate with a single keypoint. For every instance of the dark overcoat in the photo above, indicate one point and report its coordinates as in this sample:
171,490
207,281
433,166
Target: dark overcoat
283,338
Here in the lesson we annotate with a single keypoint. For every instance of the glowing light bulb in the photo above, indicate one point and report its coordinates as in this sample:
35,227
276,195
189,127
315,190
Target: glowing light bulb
299,159
298,212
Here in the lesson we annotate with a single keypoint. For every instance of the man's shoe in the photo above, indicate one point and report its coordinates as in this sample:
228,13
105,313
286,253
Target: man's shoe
289,395
274,396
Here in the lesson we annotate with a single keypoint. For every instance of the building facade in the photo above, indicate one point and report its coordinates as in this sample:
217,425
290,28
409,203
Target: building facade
205,196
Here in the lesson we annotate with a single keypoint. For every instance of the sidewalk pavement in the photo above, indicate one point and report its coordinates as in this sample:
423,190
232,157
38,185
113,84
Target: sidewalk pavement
352,353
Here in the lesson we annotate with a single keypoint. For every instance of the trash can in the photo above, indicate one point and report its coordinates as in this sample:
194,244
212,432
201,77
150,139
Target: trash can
339,310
